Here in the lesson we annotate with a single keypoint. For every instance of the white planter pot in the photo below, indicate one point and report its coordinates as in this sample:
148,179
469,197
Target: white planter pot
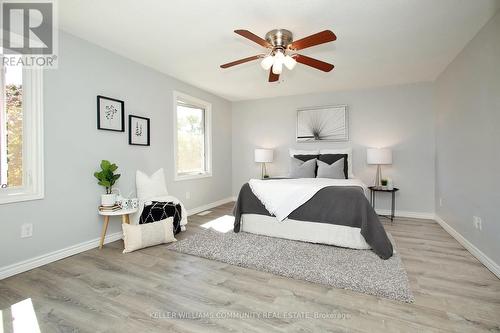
108,199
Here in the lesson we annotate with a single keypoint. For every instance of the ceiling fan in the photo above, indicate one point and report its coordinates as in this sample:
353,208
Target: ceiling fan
282,49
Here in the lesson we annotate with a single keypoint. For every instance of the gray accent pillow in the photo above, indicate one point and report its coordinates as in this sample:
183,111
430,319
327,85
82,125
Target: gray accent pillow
334,170
300,169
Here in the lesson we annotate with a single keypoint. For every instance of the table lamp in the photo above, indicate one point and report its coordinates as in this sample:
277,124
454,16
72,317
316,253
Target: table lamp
378,156
263,156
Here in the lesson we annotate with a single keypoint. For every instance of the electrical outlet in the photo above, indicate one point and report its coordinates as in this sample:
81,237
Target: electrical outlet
26,230
440,202
477,222
188,195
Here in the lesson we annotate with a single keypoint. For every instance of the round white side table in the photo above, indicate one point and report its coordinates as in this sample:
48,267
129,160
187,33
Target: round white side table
124,213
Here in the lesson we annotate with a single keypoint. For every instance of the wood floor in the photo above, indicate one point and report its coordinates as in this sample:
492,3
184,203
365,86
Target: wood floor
107,291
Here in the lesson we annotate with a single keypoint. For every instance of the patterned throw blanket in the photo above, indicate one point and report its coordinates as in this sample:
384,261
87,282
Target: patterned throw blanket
157,211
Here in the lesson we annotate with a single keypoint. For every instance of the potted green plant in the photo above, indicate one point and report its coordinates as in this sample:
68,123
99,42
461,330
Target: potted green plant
106,177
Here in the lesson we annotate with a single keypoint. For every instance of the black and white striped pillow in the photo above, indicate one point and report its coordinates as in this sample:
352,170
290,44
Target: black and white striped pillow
158,210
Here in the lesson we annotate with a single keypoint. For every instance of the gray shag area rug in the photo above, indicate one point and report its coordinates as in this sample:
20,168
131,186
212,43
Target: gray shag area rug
358,270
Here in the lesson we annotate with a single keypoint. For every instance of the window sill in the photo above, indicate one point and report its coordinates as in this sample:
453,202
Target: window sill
190,177
20,197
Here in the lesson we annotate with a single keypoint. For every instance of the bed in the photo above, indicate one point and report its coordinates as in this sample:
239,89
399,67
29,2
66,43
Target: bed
317,210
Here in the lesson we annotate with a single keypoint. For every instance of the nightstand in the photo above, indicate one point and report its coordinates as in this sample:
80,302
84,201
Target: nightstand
124,213
373,192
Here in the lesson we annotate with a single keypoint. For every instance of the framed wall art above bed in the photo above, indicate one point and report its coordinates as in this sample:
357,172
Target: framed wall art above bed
323,123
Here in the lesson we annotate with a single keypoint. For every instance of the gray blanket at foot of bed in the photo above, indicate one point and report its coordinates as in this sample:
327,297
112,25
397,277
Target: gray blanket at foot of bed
339,205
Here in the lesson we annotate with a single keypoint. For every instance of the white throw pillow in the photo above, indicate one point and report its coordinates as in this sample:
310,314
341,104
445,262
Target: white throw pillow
139,236
150,186
347,151
294,152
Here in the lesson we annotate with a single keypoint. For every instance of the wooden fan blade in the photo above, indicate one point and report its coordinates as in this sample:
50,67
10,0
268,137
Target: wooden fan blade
316,39
254,38
315,63
273,77
241,61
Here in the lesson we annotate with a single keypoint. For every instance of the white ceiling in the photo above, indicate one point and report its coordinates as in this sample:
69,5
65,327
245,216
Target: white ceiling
380,42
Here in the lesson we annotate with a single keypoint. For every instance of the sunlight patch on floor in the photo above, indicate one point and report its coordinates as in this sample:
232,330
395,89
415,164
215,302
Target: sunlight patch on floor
24,317
222,224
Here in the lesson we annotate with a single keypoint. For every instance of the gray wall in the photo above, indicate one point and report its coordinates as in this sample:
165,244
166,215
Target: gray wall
468,140
466,98
74,148
400,117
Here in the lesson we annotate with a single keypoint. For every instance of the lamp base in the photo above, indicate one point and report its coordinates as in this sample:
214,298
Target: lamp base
378,177
263,172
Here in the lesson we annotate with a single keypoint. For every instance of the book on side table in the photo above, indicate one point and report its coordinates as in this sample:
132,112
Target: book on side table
109,208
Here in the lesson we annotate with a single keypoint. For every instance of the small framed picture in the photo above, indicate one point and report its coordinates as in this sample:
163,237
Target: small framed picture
110,114
138,130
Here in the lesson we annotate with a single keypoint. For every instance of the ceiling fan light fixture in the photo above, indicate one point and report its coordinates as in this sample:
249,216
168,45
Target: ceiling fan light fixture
280,51
267,62
289,62
277,67
279,57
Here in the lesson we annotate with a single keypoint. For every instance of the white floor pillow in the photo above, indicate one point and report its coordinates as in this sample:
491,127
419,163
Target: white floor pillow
139,236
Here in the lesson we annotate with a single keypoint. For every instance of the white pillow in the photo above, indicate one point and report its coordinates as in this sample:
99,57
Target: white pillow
294,152
139,236
347,151
150,186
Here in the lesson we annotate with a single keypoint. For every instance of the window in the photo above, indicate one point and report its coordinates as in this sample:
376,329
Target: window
192,137
21,157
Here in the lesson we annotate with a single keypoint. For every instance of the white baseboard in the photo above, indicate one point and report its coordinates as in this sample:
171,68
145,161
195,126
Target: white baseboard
47,258
483,258
200,209
402,213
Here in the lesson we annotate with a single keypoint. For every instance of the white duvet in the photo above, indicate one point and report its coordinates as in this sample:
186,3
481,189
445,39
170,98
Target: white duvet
283,196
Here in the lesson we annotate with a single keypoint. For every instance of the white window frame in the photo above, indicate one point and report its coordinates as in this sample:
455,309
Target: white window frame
33,168
208,135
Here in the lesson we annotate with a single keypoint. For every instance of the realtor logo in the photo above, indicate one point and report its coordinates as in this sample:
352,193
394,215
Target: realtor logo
29,33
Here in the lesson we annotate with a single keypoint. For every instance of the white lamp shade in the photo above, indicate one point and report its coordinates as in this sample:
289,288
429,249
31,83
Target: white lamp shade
379,156
263,155
267,62
289,62
279,58
277,67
